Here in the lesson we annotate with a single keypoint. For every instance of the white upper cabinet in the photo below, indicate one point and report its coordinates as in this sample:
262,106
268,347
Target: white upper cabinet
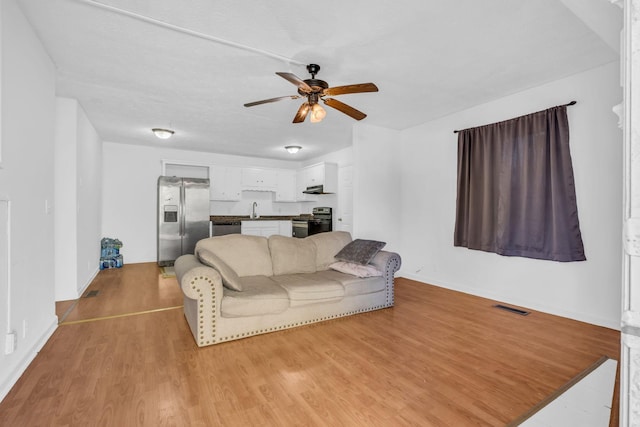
302,182
325,174
228,182
316,175
225,183
258,179
285,186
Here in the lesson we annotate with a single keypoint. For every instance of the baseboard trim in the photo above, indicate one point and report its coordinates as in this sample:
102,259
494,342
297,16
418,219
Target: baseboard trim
30,354
578,316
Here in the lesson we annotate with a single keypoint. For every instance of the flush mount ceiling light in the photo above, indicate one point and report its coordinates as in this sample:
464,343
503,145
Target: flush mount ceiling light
162,133
293,148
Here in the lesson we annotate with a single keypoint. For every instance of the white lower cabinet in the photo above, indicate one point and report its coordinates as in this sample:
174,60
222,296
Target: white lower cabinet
285,228
266,228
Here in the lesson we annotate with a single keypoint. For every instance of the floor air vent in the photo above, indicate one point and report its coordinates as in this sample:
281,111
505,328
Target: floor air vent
512,310
91,294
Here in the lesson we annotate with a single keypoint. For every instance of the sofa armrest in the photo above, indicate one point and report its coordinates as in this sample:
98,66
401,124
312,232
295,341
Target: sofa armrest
188,268
387,262
202,289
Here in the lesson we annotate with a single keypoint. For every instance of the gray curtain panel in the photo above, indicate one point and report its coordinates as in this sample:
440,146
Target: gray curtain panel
516,191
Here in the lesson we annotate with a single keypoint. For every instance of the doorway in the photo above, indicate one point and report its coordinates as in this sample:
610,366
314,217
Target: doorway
345,199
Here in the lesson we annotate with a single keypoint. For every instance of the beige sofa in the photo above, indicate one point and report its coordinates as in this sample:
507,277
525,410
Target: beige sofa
236,286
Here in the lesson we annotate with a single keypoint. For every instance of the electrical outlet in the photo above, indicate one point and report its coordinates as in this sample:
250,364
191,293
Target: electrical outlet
24,328
10,342
48,207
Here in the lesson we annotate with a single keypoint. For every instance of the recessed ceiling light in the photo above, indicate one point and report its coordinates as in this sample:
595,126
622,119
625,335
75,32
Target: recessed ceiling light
293,148
162,133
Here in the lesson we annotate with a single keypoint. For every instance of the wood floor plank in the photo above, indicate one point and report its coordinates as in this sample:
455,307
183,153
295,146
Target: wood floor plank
438,358
130,289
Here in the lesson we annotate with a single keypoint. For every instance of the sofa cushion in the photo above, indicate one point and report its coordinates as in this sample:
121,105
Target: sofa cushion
360,251
309,288
327,246
246,255
354,269
229,277
354,285
291,255
260,296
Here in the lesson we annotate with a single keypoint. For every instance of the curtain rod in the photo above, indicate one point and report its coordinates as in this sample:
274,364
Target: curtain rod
565,105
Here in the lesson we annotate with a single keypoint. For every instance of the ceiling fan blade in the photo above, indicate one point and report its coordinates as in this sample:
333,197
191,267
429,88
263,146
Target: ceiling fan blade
357,88
348,110
296,81
302,113
266,101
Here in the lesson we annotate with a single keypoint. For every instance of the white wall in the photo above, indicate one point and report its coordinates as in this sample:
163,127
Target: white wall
376,185
78,198
89,201
27,180
65,199
588,291
342,158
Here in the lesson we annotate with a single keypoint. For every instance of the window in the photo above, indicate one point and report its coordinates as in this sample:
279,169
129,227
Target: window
516,191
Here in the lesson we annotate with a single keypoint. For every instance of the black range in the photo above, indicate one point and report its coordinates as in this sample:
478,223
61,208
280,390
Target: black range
320,222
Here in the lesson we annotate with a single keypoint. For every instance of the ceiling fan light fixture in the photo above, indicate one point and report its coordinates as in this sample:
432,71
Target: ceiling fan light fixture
162,133
317,113
293,149
315,91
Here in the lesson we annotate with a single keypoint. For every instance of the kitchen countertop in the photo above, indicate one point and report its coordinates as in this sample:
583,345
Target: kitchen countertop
227,218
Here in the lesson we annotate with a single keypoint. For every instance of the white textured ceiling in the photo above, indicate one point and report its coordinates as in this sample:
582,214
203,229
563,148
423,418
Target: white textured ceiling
191,65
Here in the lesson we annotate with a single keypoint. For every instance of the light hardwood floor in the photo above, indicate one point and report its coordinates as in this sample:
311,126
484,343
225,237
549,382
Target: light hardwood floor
438,358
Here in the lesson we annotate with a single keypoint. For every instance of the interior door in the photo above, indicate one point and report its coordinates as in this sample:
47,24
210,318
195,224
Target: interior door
345,199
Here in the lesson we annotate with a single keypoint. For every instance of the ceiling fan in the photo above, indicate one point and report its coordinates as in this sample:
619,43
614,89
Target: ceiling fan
315,90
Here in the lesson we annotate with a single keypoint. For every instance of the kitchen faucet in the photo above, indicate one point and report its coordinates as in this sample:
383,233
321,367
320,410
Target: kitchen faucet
253,210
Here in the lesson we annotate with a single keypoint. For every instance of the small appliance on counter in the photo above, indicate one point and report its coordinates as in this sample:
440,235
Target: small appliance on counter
183,216
320,222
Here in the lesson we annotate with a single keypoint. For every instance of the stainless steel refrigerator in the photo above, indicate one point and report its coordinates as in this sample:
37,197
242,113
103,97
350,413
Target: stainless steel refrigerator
183,216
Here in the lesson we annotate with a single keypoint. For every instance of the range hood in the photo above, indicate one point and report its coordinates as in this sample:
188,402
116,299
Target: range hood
315,189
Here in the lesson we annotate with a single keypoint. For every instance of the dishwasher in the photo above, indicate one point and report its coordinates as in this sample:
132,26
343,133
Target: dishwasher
221,228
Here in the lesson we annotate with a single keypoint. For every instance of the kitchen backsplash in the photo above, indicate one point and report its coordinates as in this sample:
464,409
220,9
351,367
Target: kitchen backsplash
266,205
